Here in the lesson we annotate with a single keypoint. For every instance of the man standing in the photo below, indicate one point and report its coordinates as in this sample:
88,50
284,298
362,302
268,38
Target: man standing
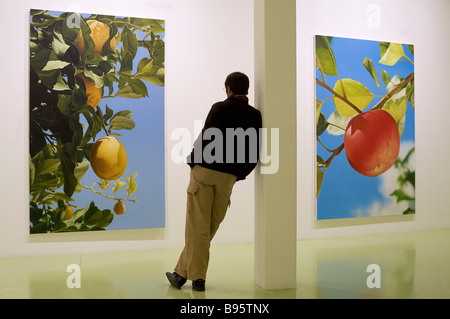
226,151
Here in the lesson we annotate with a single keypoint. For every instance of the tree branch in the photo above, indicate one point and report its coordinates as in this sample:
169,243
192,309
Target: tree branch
99,112
324,85
336,152
397,88
107,196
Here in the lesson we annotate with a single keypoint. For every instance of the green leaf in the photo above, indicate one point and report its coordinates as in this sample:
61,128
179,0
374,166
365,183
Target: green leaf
153,79
64,102
52,79
108,113
130,41
411,48
106,49
94,218
401,125
48,166
145,66
383,48
405,160
88,218
338,123
127,92
371,69
77,130
79,172
410,94
322,125
109,80
94,122
396,107
324,56
58,45
67,155
138,87
118,185
385,77
44,23
320,160
90,73
122,123
393,54
122,120
95,59
401,195
107,218
126,65
53,198
104,184
40,59
35,12
319,104
79,96
132,185
355,92
151,24
89,44
125,113
154,76
320,175
32,170
35,213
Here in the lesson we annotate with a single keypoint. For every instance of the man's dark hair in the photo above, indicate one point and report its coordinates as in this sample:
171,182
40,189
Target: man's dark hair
238,83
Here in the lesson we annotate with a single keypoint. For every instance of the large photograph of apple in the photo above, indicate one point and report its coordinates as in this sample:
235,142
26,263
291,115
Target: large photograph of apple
365,128
96,122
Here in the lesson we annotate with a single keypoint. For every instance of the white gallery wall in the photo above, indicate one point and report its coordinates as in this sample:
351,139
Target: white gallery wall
205,41
424,24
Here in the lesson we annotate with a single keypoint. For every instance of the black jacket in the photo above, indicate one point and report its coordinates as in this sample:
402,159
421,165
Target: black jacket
230,139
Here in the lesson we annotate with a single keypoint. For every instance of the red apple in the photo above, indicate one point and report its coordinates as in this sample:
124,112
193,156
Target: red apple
372,142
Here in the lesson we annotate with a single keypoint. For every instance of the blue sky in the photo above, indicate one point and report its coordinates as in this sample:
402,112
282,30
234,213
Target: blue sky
346,193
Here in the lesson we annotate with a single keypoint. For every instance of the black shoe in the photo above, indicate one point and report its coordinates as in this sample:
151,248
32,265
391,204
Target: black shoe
176,280
198,285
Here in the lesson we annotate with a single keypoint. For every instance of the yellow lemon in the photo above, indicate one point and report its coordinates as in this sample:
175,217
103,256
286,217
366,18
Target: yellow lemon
99,34
69,212
119,208
108,158
94,94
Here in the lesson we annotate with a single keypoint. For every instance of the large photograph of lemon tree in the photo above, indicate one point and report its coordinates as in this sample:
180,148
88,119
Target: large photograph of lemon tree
96,122
365,131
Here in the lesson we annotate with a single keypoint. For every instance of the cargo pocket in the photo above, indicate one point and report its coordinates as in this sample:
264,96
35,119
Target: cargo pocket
192,189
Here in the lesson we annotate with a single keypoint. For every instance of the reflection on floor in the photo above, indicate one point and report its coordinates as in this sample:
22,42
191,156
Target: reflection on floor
411,265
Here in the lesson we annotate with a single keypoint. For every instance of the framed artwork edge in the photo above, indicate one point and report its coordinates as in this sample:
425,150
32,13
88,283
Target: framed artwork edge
110,235
324,223
133,234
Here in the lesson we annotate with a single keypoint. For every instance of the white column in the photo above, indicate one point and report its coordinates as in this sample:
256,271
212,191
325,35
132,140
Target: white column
276,97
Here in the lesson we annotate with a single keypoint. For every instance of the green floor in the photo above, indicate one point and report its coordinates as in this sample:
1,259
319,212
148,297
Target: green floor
412,265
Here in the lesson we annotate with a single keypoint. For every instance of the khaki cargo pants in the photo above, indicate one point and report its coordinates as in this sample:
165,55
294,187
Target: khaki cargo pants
208,197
